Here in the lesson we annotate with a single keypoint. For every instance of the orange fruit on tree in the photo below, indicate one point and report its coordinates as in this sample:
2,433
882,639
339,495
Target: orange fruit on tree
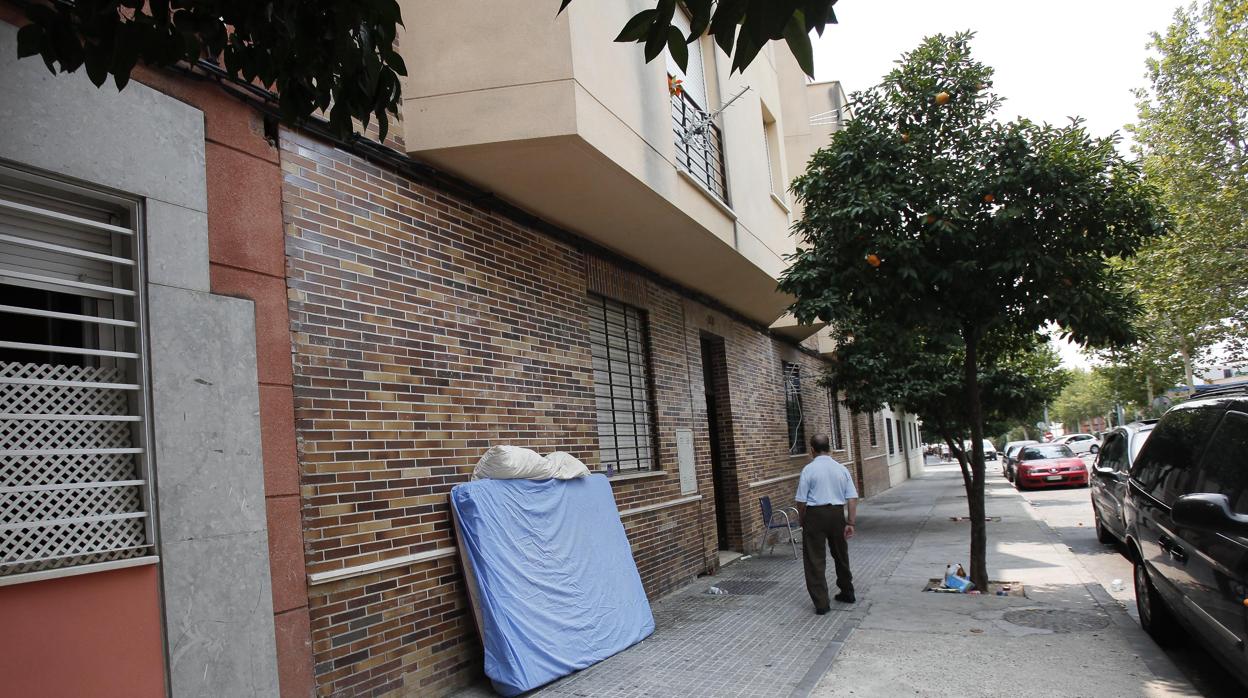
873,260
905,138
942,97
930,219
989,198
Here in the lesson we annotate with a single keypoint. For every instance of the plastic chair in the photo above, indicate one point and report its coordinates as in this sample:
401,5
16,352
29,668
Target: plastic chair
778,519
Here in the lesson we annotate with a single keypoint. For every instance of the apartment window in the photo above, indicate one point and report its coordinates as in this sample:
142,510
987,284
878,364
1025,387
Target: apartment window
875,439
699,141
888,433
73,459
617,339
901,442
771,148
793,407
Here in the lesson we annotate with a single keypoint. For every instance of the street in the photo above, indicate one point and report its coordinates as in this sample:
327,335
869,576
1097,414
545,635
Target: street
1068,511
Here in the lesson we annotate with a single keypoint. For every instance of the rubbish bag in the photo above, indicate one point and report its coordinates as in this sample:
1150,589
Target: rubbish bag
955,578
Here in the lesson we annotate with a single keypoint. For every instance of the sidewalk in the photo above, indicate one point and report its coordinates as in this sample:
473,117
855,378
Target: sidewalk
1067,638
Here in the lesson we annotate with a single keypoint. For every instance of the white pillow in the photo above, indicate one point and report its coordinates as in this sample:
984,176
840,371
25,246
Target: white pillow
509,463
565,466
514,463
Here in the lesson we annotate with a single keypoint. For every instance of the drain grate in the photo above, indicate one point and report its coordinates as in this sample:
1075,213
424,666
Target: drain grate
744,587
758,574
1057,620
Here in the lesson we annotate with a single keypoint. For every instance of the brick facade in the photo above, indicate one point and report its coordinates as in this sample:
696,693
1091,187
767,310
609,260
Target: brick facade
425,330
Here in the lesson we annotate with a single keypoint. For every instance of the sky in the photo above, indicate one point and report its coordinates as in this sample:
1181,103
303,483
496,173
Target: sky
1054,59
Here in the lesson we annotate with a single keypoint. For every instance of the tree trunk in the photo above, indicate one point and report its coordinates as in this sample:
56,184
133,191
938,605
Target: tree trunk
979,532
1187,370
959,454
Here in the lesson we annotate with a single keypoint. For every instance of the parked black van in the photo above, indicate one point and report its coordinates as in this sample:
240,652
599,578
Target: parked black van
1186,512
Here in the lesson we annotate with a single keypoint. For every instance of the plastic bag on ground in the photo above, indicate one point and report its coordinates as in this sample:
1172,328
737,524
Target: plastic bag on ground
955,578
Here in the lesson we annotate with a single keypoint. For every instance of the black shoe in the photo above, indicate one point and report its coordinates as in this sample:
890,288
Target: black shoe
822,611
845,598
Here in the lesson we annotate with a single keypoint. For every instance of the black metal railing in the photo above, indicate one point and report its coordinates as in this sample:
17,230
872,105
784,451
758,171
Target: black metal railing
699,145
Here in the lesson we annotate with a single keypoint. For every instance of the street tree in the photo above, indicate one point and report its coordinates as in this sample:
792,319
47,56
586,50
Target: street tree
927,215
1089,394
886,364
1193,135
1139,373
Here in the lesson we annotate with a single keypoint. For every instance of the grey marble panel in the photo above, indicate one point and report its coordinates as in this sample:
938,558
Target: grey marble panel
219,616
138,140
177,246
206,413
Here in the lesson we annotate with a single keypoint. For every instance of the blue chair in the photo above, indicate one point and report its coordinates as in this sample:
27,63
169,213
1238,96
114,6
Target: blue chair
778,519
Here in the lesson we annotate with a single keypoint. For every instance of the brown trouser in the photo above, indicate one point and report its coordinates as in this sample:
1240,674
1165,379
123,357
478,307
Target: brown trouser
825,525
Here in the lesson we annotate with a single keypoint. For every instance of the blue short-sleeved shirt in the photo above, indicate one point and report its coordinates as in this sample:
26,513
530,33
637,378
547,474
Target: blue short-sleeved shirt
825,481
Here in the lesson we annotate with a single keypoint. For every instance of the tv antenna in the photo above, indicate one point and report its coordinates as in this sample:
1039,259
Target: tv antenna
700,125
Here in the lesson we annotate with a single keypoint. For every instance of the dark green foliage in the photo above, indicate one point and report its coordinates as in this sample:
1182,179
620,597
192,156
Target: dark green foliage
334,55
741,25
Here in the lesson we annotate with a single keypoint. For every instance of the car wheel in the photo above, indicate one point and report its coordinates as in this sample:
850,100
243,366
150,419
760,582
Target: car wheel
1155,618
1094,449
1102,534
1018,483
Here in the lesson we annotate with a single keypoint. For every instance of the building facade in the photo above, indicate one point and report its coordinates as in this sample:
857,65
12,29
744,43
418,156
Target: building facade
244,364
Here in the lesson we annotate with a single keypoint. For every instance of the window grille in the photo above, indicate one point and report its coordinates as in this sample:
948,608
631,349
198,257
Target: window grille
888,433
793,407
73,486
701,155
837,444
875,439
617,340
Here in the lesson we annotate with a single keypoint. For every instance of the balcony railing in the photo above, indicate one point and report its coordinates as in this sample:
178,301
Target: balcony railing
699,145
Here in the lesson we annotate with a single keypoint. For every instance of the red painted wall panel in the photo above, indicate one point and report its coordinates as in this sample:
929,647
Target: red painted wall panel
89,635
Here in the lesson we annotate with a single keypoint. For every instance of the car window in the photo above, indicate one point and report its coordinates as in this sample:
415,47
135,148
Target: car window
1224,468
1113,454
1165,462
1041,451
1137,443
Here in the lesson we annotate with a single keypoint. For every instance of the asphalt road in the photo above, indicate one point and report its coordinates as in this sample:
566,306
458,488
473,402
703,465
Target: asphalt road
1069,512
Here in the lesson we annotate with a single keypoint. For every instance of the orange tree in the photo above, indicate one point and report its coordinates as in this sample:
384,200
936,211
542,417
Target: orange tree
929,224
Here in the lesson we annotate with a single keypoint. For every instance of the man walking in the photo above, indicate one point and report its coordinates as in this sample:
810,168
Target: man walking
825,492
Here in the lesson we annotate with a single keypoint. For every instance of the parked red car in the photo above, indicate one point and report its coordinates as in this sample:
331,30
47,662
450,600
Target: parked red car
1049,465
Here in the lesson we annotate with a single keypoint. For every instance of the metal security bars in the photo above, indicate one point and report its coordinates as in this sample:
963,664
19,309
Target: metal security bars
73,440
837,442
793,407
617,340
699,145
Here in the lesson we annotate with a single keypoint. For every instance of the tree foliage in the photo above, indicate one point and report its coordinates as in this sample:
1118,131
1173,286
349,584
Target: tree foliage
332,55
1193,135
928,223
1089,394
740,27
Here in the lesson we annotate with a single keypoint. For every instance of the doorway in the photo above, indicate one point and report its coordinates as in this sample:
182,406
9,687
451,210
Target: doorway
719,426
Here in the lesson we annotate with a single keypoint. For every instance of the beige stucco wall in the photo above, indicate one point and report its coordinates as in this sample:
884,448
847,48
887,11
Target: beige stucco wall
554,115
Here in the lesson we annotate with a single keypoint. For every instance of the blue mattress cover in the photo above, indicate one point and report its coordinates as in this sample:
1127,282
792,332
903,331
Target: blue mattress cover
557,587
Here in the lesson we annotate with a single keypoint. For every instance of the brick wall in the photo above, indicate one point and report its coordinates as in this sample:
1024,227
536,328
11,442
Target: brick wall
874,459
425,330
